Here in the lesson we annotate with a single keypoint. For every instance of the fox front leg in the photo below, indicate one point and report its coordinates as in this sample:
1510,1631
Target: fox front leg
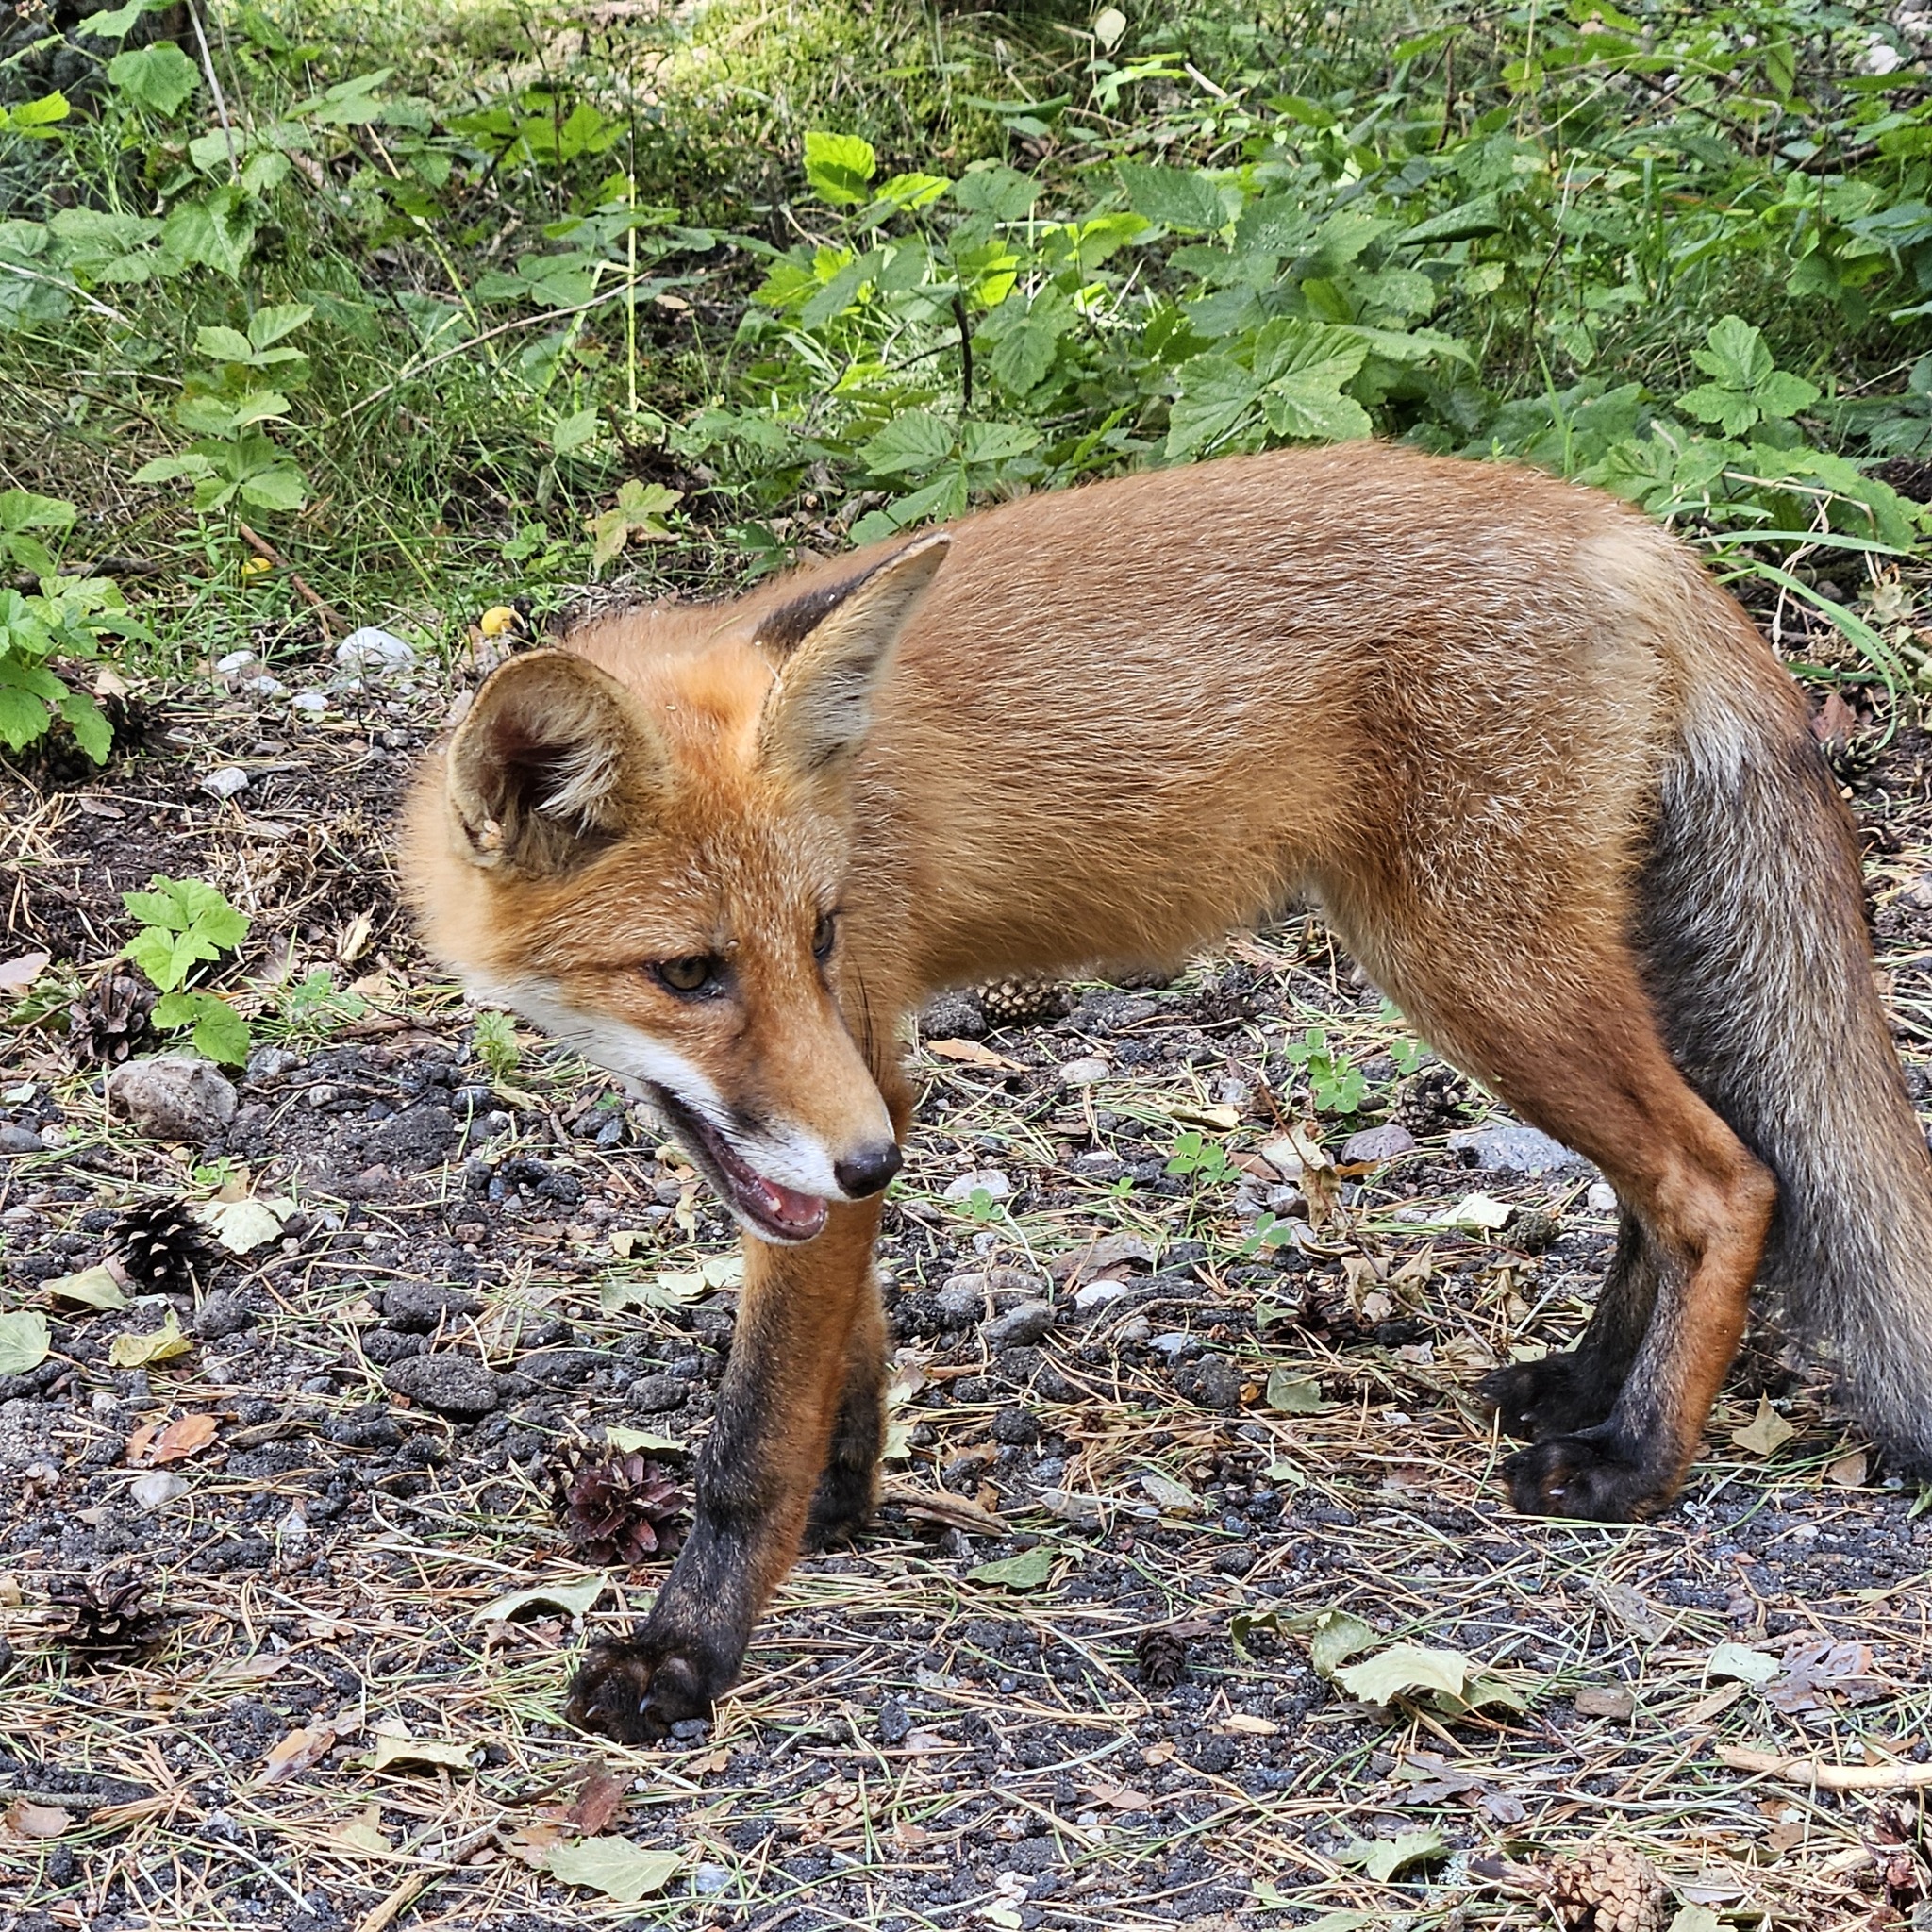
801,1311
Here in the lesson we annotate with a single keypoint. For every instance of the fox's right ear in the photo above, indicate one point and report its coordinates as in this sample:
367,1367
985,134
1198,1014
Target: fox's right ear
542,766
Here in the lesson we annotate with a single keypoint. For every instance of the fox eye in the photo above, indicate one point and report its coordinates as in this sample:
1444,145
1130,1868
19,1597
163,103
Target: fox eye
696,973
824,935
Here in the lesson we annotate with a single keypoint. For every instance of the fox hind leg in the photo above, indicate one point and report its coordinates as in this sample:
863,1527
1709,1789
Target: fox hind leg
1568,1037
1577,1388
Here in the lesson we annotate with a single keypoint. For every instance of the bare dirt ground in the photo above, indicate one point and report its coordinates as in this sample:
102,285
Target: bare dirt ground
1071,1679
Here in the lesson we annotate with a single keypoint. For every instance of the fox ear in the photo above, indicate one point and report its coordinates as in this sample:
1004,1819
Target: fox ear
840,639
544,765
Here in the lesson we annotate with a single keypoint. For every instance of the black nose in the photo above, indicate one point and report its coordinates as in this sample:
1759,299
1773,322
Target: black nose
868,1171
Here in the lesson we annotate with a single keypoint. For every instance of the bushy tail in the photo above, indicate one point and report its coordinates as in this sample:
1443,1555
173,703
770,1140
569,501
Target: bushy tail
1754,933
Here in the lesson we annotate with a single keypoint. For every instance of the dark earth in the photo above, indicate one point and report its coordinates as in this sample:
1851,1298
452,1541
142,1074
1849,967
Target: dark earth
1204,1410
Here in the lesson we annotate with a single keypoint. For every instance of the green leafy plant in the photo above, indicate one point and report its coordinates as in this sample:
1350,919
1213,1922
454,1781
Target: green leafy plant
495,1043
1205,1160
1336,1084
313,1007
66,618
186,924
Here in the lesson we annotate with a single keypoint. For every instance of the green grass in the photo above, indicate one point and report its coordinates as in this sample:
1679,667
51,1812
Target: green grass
498,263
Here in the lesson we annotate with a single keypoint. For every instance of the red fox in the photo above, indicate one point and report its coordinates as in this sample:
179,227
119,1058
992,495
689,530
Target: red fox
1542,775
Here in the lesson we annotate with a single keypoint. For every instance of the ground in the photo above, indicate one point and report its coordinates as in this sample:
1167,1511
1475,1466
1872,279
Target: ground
1208,1470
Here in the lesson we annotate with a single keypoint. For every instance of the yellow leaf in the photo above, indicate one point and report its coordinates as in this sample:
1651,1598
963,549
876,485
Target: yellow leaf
161,1344
390,1750
1765,1433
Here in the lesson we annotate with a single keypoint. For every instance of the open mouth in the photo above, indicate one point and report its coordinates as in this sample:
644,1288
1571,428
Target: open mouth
777,1213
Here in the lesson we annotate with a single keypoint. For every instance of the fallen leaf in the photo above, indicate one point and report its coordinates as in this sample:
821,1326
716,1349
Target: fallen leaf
599,1799
241,1227
25,1343
161,1344
1174,1497
1815,1671
295,1753
1738,1660
970,1053
29,1819
1765,1432
534,1844
1250,1727
630,1441
1120,1797
1480,1211
1403,1668
925,1743
573,1599
1292,1394
1027,1571
94,1287
183,1437
1159,1754
1224,1118
18,973
1338,1636
1848,1472
1382,1858
1714,1706
613,1866
1605,1701
710,1763
392,1750
363,1833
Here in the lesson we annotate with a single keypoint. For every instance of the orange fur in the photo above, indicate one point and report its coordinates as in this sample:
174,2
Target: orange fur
1451,703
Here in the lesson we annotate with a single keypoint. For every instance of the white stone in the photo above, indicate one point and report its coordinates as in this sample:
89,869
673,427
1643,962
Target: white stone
226,782
1085,1073
157,1491
373,653
1602,1198
1097,1295
989,1179
236,664
311,703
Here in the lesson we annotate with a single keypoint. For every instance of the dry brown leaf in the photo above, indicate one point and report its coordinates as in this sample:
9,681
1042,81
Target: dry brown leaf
1765,1433
18,973
28,1820
1848,1472
598,1801
533,1843
295,1753
1120,1797
970,1053
710,1763
183,1437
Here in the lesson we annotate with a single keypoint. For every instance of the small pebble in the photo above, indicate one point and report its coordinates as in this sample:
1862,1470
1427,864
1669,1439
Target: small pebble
227,782
989,1180
1085,1073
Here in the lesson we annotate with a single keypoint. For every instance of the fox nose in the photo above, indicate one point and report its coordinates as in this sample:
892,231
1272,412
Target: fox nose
866,1172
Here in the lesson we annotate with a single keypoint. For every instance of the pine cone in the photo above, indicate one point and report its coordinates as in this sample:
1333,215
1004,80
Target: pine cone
1854,761
109,1624
1608,1888
1021,1001
1534,1232
161,1248
110,1022
1433,1101
1162,1655
617,1506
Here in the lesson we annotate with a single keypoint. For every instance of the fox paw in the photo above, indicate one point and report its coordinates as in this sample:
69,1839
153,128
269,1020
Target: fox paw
1584,1476
841,1509
632,1691
1556,1396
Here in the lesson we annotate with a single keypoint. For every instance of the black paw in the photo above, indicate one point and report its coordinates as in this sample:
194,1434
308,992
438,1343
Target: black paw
1556,1396
1586,1475
840,1508
632,1691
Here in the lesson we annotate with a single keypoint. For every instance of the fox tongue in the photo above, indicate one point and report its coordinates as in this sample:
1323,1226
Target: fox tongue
788,1205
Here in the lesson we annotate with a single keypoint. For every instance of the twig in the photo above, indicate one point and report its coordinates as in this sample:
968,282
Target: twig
1828,1777
214,87
330,618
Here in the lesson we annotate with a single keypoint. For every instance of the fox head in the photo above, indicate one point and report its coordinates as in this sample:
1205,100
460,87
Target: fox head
651,869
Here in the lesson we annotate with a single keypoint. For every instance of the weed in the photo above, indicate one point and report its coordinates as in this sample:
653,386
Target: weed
186,924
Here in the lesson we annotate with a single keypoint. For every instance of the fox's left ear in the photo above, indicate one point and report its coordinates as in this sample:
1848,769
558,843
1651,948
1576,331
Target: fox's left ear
842,639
